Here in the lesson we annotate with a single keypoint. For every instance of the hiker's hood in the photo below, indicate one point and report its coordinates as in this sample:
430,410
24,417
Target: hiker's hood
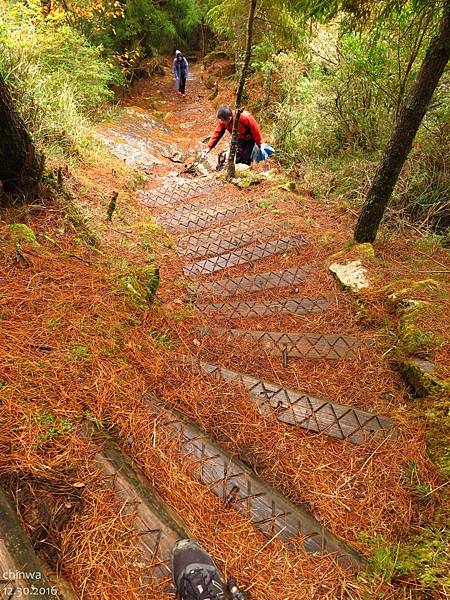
177,52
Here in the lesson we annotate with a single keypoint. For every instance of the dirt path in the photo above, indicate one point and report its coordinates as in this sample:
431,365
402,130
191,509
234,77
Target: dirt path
251,402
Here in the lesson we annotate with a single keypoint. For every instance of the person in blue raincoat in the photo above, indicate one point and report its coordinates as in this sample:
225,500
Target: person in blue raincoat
181,71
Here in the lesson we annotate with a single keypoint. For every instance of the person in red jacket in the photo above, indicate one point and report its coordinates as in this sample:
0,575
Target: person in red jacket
248,133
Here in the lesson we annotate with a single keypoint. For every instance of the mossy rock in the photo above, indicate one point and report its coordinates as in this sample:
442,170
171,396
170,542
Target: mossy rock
351,275
365,250
246,183
289,186
161,115
421,375
410,288
22,233
245,177
211,82
437,411
413,339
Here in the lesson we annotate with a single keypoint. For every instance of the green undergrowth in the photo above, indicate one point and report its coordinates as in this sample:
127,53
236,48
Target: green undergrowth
181,314
56,76
421,561
426,558
164,340
140,285
78,221
78,353
51,426
332,100
22,233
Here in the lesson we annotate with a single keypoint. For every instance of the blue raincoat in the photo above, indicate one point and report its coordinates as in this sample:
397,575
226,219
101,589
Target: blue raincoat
180,67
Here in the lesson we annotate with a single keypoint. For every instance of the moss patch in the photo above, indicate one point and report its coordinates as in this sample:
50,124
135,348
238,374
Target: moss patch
412,339
437,411
22,233
407,288
141,285
421,375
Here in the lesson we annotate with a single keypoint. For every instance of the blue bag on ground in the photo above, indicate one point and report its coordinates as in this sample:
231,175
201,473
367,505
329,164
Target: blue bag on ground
263,153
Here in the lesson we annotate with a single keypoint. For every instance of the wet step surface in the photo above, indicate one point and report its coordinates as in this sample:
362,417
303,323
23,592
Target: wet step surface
138,139
301,409
172,194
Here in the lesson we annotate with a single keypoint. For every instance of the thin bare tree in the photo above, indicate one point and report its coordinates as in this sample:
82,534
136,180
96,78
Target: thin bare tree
410,117
240,90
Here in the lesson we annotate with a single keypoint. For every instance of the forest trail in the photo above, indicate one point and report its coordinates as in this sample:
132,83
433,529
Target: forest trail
261,308
249,406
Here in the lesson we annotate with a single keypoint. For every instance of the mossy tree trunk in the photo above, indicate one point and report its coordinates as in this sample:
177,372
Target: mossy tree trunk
408,122
240,90
20,165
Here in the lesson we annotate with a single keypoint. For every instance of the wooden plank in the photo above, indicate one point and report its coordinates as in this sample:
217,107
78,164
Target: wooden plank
22,574
244,256
329,346
264,308
240,488
157,526
301,409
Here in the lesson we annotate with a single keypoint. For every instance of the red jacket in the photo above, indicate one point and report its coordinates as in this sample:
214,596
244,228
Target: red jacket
248,129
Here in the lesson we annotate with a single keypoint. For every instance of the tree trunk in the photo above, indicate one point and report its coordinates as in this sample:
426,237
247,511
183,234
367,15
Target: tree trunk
202,32
409,120
20,165
240,90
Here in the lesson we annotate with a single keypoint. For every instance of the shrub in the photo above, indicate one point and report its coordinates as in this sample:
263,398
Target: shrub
338,98
57,79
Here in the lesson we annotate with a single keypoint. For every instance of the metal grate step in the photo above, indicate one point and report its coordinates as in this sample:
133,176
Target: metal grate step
330,346
171,194
202,246
240,488
261,282
302,410
244,256
243,309
202,219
